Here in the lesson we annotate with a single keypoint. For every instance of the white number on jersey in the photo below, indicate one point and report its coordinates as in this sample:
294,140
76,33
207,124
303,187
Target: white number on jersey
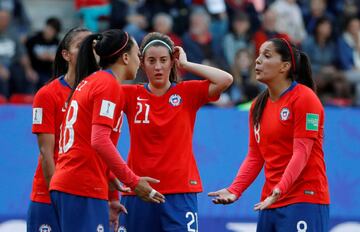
257,132
139,113
64,146
193,220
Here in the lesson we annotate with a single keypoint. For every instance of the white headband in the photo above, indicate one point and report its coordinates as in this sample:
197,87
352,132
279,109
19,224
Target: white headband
155,41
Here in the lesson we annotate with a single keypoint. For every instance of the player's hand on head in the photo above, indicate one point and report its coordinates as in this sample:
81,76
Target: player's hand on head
222,196
268,201
180,57
146,192
116,184
115,208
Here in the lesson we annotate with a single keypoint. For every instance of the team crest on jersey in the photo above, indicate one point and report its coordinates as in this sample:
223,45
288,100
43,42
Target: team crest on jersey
45,228
100,228
122,229
284,114
175,100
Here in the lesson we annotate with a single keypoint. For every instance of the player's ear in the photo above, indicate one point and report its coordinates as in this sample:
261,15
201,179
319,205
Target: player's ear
65,54
125,58
285,67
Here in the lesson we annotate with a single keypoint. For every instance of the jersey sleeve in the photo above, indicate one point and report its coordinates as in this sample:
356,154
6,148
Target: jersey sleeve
199,92
105,98
43,112
308,115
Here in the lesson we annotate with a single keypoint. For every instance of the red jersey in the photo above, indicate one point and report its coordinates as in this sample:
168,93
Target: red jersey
161,131
297,114
80,170
48,112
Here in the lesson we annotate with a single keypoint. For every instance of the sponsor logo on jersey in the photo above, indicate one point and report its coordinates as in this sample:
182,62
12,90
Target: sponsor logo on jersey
45,228
122,229
193,182
107,109
284,114
175,100
37,115
141,99
312,122
100,228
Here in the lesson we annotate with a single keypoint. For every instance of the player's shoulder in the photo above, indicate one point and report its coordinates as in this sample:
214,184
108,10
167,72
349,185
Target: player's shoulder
304,92
49,89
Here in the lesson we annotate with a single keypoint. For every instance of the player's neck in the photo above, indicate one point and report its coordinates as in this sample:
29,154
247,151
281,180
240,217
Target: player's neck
118,72
159,91
70,78
277,88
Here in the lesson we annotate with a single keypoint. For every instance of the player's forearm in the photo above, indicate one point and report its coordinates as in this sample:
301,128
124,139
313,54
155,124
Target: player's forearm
301,154
220,80
46,144
247,173
101,142
48,168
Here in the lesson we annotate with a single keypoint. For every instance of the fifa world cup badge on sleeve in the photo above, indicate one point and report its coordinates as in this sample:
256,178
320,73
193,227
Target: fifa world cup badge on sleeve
37,115
312,122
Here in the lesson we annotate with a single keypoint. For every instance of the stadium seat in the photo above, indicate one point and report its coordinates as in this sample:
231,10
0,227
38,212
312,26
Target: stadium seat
19,98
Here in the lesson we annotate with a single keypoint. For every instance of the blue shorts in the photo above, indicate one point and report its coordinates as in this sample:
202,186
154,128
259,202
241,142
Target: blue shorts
41,217
300,217
177,214
76,213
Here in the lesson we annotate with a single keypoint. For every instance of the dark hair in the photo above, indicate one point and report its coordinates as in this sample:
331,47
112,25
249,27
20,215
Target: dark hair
54,23
109,46
166,39
300,71
60,66
320,22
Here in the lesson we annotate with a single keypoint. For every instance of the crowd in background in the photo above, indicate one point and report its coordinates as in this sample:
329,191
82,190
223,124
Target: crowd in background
222,33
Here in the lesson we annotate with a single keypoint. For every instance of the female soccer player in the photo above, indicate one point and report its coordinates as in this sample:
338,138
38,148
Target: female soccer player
286,135
90,129
161,116
48,111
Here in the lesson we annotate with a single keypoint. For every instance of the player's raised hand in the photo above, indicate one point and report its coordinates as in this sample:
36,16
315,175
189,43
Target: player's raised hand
222,196
115,208
116,184
146,192
268,201
180,57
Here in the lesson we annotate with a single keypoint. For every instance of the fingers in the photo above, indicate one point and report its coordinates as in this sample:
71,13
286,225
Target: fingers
151,180
155,196
124,189
123,209
213,194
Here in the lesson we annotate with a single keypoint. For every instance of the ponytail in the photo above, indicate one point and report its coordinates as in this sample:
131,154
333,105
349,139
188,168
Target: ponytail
304,75
259,106
86,61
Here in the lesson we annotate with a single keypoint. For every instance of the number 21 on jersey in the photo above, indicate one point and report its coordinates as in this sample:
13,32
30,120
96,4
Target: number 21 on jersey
142,114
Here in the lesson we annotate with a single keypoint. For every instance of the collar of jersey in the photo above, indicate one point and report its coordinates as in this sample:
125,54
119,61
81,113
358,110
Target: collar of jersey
63,82
146,86
109,71
291,87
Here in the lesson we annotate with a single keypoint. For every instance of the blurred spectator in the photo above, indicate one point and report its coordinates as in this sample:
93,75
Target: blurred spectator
267,30
318,9
15,67
177,9
41,48
245,87
349,53
235,6
239,38
129,16
20,23
163,23
320,47
289,19
91,10
198,42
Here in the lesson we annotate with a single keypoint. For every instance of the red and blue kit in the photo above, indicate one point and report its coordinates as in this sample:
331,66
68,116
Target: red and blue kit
48,111
161,129
80,171
298,114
